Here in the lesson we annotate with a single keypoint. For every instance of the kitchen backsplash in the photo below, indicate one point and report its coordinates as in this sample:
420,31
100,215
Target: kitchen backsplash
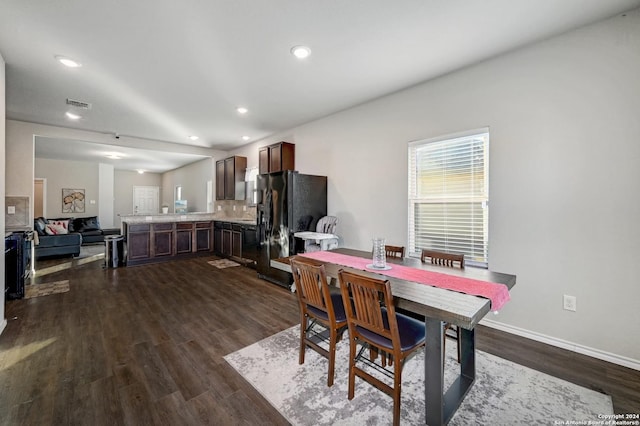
241,211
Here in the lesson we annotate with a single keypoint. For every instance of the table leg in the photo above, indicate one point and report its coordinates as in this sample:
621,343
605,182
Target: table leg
440,405
433,372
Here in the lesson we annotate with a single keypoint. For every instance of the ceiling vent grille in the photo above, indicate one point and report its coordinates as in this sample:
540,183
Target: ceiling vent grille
78,104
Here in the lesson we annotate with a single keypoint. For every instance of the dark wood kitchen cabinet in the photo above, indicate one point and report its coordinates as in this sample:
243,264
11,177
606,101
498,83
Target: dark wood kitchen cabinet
204,236
138,242
230,178
162,239
276,157
231,240
217,238
184,237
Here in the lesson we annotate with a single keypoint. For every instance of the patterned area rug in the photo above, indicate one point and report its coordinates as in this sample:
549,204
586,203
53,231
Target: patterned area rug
504,393
46,289
223,263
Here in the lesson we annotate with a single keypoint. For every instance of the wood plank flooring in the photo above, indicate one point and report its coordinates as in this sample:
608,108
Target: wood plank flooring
145,345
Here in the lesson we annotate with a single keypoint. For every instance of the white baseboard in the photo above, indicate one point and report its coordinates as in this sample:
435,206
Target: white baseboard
3,324
564,344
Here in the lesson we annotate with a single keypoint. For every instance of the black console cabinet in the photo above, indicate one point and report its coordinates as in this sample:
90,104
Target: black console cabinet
17,254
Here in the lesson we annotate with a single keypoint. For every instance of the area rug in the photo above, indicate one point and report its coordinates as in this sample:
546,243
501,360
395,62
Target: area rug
504,393
223,263
46,289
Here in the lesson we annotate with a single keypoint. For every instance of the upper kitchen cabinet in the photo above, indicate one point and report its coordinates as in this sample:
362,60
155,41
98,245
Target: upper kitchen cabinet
276,157
230,178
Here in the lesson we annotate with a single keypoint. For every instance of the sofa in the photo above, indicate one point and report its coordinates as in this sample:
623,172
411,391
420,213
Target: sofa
65,236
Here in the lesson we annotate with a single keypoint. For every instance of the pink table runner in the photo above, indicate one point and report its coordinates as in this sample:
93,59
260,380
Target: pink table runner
497,293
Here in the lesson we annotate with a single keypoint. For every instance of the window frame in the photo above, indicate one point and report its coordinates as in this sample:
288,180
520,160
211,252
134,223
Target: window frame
413,199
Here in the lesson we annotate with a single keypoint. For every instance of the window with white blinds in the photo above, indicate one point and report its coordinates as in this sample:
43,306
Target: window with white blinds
449,195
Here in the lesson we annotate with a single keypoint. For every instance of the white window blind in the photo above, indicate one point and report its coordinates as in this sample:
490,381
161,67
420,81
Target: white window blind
449,195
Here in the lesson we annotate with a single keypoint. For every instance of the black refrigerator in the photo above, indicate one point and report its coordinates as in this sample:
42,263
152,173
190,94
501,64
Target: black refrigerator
288,202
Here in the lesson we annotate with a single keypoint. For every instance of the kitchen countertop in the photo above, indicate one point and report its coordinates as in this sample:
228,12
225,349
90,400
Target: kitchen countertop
236,220
188,217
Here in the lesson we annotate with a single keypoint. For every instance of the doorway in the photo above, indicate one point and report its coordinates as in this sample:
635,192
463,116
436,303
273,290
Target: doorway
39,197
145,199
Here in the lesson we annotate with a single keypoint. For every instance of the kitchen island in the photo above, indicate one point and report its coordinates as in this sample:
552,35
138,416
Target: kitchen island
159,238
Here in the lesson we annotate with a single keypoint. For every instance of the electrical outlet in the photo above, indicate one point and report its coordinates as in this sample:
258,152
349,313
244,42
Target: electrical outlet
234,208
569,303
11,209
219,208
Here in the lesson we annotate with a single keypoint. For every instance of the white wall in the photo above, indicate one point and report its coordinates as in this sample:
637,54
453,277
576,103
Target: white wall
3,321
69,174
564,176
193,178
124,181
20,150
106,195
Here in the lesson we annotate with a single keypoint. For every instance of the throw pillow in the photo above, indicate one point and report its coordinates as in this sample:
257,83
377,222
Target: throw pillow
54,229
83,224
39,224
64,223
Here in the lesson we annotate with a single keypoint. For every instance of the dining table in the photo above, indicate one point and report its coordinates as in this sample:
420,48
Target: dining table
438,305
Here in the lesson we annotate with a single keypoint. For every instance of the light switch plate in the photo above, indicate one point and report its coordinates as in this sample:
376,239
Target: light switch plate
11,209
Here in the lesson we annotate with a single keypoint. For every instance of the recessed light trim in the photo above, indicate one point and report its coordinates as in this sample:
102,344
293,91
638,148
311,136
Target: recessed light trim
72,116
300,52
242,110
114,155
140,172
194,137
246,138
68,62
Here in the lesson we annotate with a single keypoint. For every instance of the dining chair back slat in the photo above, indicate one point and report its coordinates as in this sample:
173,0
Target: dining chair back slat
374,323
443,258
318,306
394,251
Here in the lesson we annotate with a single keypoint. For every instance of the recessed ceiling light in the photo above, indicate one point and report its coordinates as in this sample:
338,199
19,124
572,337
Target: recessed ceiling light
68,62
242,110
113,155
141,172
246,138
300,52
194,137
72,116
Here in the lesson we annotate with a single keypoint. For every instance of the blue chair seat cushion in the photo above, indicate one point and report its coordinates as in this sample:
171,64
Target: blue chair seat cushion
338,309
412,332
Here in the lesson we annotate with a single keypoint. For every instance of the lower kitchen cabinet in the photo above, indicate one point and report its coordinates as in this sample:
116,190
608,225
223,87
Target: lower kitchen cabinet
156,242
235,241
184,238
162,239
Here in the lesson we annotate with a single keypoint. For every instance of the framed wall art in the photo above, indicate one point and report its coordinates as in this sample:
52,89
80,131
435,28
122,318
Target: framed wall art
72,200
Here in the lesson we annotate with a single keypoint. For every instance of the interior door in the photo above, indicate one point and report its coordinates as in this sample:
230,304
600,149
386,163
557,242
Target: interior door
145,200
39,197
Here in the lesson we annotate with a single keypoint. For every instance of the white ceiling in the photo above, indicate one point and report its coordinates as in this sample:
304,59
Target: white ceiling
166,69
151,161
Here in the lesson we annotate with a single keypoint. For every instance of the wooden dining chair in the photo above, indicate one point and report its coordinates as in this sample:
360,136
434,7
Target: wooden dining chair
443,258
446,259
318,305
394,251
375,325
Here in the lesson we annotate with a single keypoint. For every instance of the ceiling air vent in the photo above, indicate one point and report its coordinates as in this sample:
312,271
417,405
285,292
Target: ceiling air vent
78,104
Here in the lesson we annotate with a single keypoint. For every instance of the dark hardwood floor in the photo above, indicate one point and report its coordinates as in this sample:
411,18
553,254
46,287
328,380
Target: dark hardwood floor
145,345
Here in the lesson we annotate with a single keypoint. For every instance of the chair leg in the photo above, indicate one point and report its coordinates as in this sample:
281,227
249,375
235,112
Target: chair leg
333,336
352,365
397,387
303,336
